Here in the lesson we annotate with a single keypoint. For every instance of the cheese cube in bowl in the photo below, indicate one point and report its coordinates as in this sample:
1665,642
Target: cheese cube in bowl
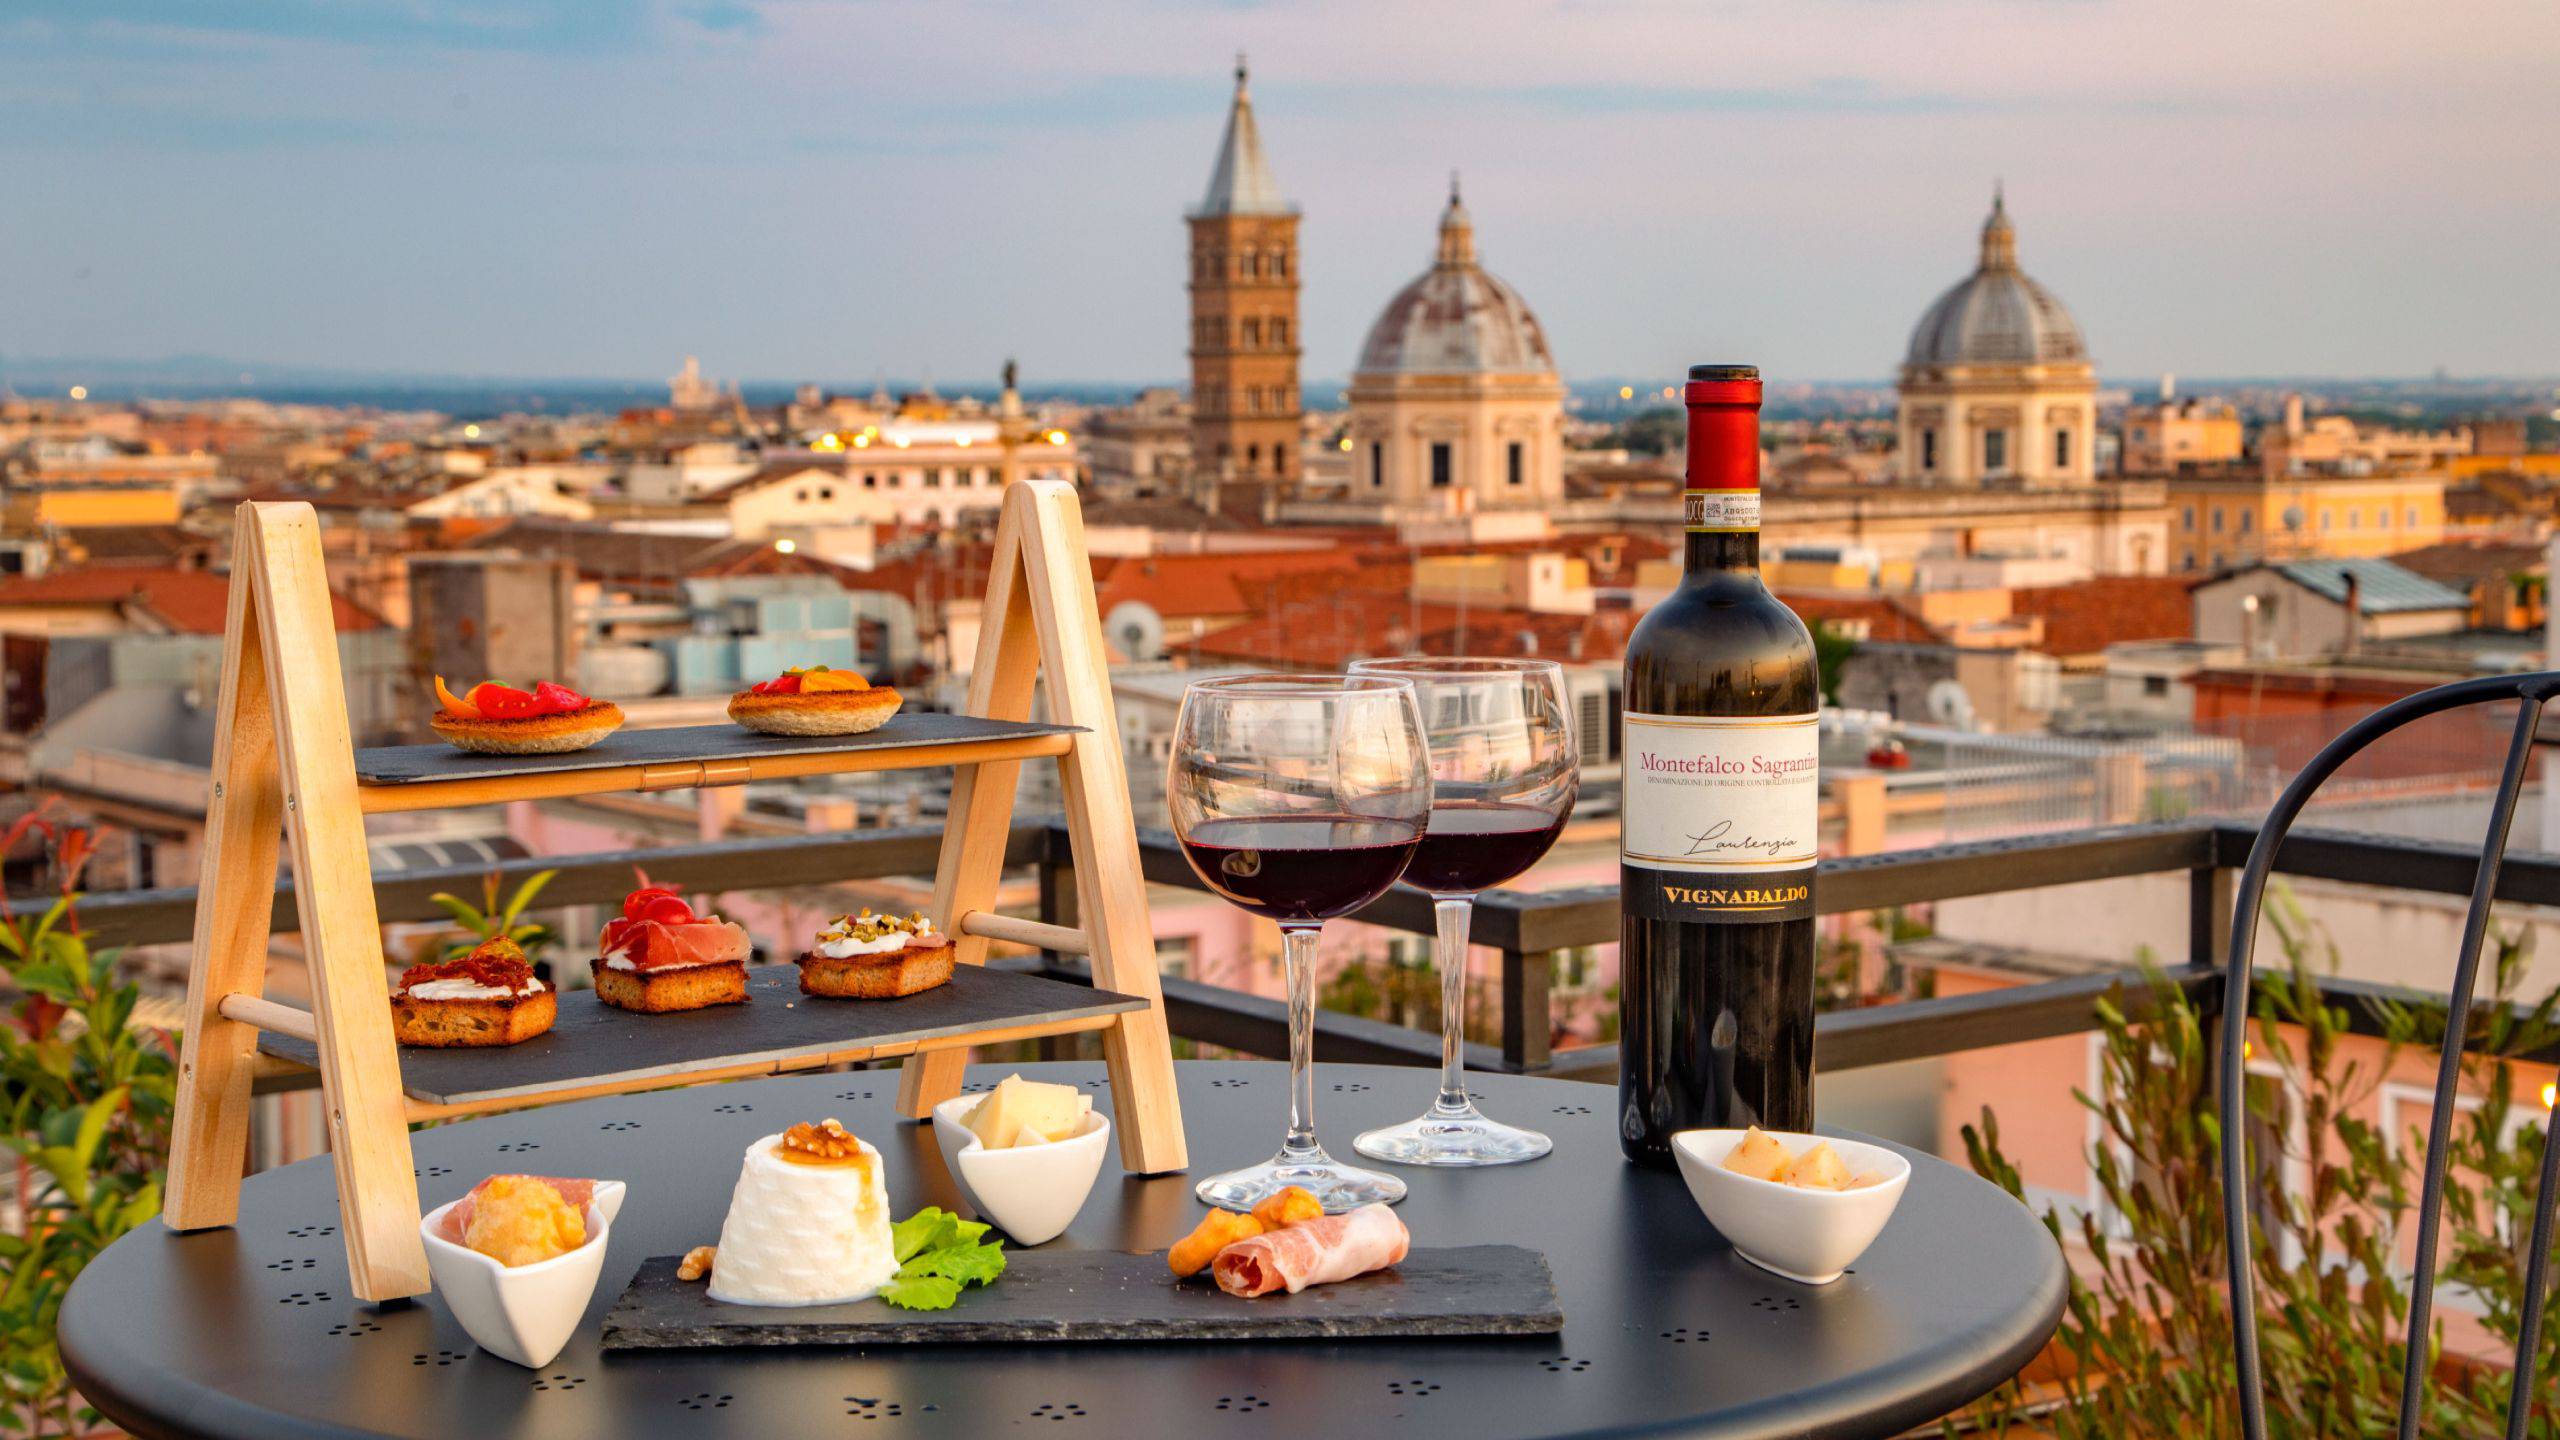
1802,1206
1025,1155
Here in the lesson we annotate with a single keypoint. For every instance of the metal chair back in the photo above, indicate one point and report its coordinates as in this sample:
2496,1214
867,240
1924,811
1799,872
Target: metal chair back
2531,692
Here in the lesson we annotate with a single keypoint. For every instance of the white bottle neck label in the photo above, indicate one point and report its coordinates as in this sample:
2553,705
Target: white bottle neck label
1721,820
1720,512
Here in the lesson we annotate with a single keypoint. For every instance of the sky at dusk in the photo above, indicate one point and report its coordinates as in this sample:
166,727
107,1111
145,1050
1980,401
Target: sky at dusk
828,189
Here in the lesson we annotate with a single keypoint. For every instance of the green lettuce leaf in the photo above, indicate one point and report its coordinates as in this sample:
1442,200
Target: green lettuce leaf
939,1254
921,1292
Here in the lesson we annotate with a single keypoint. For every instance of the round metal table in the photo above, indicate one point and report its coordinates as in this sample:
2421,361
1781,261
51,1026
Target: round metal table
249,1332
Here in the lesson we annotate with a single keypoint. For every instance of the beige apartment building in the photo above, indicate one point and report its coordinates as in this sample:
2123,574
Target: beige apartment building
2113,529
2336,443
2237,517
2179,434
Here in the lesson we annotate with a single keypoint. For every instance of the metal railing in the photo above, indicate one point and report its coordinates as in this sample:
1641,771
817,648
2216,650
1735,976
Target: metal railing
1529,929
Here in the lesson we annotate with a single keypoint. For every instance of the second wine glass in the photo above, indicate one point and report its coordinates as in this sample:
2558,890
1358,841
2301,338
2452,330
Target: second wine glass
1503,776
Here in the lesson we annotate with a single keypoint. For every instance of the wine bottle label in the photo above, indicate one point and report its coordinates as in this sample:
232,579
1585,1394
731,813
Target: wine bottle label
1721,511
1721,817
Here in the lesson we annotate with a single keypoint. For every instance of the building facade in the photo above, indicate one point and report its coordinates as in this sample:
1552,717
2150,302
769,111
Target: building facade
1457,407
1996,387
2178,434
1245,402
2238,516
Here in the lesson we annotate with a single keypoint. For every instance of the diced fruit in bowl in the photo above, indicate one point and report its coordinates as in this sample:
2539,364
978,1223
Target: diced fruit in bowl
516,1260
1802,1206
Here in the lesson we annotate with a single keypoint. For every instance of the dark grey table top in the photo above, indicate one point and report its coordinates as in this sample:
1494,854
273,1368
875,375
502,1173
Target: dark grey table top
249,1332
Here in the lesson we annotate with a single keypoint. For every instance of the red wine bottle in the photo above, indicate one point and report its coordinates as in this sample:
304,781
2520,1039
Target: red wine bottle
1715,956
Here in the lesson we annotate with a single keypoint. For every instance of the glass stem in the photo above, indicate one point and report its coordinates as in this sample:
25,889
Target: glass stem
1449,952
1298,954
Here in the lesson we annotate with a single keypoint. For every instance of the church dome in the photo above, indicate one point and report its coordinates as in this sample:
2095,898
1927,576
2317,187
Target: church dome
1997,315
1456,319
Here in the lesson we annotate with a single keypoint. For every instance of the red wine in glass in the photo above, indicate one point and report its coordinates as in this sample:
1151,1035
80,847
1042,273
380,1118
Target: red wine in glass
1299,869
1474,845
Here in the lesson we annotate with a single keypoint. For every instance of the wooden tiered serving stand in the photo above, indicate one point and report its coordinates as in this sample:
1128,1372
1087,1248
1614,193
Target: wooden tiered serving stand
284,764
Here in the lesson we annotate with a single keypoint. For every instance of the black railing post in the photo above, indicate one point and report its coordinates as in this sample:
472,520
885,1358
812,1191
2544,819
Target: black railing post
1528,1014
2208,914
2208,941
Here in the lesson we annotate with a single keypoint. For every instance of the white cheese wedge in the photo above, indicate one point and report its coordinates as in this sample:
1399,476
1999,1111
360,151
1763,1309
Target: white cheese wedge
1027,1112
803,1234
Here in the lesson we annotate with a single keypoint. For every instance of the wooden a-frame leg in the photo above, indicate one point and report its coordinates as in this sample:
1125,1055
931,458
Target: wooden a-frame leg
333,888
1111,885
235,895
971,865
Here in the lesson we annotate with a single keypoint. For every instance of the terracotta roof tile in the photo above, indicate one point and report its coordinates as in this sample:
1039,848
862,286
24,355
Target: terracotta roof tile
2087,617
1211,585
2464,566
1883,618
1330,630
189,602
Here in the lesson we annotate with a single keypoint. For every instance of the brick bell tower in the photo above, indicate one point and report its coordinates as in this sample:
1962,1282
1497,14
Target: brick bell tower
1245,407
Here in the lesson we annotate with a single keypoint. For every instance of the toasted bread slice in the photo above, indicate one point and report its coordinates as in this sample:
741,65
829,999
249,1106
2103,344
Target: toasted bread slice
824,712
533,735
875,977
657,992
446,1024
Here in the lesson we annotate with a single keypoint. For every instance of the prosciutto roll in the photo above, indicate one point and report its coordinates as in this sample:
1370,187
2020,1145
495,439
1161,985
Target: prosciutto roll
1312,1252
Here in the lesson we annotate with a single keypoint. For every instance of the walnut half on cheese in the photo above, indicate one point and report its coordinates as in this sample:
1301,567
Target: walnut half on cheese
1027,1112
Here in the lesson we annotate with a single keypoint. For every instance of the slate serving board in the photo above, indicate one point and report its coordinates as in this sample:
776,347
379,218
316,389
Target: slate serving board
593,1041
674,745
1088,1295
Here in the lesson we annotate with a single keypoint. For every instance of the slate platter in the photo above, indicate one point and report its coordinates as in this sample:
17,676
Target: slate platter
676,745
593,1041
1088,1295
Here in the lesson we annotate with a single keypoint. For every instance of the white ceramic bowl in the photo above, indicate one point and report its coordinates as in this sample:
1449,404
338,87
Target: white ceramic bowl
1806,1235
1029,1192
524,1313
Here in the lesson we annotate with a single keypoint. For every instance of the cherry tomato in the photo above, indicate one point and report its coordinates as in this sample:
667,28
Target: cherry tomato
667,910
638,900
558,699
780,685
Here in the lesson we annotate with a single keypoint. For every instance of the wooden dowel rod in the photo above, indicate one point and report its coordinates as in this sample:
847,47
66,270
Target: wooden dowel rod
614,779
1027,932
268,1015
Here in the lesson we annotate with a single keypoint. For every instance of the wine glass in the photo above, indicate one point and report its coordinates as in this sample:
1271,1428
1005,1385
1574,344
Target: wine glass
1299,798
1503,776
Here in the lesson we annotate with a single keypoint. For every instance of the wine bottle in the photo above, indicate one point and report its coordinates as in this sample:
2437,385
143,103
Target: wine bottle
1722,699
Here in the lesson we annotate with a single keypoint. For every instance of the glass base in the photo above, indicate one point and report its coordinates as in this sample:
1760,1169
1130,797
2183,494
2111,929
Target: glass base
1338,1187
1453,1136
